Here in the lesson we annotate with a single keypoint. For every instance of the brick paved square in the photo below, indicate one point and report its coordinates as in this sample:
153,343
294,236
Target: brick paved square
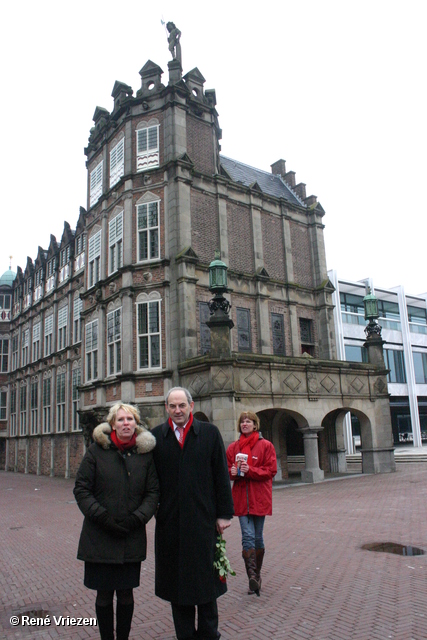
318,584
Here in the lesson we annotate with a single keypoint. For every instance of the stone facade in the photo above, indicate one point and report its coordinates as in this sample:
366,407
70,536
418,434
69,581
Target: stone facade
161,200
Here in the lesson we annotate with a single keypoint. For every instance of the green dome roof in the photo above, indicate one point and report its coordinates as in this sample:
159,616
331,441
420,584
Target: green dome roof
7,278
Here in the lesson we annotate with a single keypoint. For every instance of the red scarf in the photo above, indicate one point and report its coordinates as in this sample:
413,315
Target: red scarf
122,446
247,443
186,429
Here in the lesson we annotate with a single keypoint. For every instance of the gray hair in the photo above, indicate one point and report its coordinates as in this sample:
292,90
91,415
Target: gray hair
186,391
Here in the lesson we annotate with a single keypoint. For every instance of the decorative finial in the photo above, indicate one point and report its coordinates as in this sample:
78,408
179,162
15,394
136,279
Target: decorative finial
10,266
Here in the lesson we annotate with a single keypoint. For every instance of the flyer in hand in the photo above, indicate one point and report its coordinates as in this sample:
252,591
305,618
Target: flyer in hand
240,457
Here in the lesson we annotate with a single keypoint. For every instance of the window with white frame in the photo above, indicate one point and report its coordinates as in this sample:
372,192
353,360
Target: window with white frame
77,321
95,187
38,284
149,334
94,259
14,352
79,256
5,302
80,244
148,231
76,383
47,401
62,327
64,256
117,162
3,405
50,271
25,347
4,355
13,411
64,263
60,402
147,148
114,341
48,335
91,350
23,410
115,243
38,278
36,341
50,274
34,407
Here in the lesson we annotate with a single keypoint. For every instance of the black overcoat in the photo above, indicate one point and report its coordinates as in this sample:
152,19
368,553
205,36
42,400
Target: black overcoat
120,483
194,492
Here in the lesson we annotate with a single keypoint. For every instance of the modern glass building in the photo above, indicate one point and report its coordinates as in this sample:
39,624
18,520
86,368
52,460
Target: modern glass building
403,319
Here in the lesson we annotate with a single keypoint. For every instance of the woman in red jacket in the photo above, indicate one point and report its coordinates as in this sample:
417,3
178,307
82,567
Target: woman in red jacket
252,466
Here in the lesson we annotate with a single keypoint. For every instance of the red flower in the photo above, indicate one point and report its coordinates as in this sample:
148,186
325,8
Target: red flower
223,579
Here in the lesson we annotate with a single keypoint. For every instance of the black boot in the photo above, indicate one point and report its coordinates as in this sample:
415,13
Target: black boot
250,564
259,553
105,617
124,613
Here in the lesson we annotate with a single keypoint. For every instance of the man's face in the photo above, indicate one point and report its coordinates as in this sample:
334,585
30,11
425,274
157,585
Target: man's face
178,408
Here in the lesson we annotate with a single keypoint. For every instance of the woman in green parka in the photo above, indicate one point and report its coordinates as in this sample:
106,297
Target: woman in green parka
117,491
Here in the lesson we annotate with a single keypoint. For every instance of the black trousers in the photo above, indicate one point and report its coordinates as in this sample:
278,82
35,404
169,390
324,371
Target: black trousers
184,618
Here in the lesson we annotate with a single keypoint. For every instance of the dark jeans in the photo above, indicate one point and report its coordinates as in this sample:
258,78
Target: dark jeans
184,618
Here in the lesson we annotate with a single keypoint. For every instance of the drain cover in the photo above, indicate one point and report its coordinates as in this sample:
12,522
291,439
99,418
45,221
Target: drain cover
394,547
34,613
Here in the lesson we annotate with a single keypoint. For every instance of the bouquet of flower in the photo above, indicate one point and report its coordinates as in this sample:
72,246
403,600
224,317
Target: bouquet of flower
221,562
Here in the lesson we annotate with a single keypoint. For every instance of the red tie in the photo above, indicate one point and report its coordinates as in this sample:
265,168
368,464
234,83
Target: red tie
180,434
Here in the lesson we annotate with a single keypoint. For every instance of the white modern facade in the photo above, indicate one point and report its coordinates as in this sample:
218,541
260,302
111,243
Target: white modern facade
403,319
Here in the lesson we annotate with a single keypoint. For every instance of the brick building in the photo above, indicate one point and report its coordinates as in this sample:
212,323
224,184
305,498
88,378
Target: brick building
118,309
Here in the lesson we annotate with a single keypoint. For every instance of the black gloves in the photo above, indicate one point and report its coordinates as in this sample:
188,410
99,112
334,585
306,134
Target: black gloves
107,522
131,523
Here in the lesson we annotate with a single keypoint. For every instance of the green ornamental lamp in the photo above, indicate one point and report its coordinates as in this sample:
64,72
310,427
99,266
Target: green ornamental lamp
217,274
370,303
218,285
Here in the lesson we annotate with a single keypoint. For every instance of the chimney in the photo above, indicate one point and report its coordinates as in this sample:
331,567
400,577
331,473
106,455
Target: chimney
279,168
300,190
310,201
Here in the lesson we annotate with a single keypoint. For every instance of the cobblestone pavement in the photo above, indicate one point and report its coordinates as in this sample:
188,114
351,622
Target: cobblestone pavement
318,584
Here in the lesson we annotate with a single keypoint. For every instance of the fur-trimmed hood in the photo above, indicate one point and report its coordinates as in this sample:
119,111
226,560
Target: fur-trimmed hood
145,441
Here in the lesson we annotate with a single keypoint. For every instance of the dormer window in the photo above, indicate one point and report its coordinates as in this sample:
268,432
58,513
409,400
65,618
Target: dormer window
147,148
96,184
64,264
117,162
38,280
38,277
80,246
50,273
64,256
28,285
51,267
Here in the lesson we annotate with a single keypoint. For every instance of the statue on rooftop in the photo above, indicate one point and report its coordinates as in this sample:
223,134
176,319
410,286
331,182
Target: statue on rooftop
174,43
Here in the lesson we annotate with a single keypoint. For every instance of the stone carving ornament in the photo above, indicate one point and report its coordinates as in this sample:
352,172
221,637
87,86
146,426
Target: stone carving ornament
174,41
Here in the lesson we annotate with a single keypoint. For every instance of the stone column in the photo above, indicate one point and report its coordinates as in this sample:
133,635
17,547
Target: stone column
312,471
220,325
378,452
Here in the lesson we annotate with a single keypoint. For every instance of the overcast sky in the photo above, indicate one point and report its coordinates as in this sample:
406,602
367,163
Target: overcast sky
336,88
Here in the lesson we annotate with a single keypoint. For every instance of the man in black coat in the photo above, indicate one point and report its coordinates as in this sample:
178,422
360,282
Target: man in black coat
195,506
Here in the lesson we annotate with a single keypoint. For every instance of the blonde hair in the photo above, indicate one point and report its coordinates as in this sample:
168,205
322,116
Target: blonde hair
252,416
128,408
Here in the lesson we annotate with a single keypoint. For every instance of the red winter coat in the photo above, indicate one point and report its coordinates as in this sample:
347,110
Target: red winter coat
252,494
